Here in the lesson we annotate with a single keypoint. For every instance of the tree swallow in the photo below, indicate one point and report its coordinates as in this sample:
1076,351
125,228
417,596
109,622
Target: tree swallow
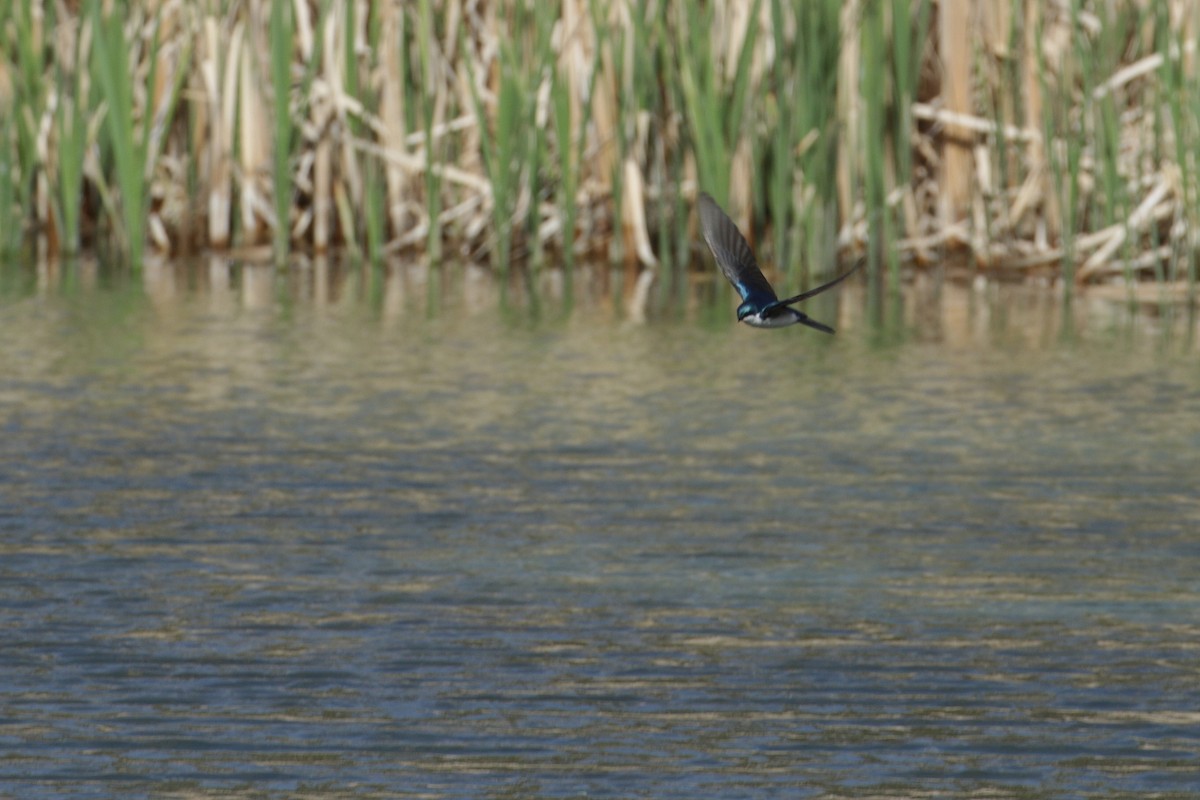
761,307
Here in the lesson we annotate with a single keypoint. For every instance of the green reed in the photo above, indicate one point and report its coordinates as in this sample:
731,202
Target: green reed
374,200
511,156
713,109
781,178
875,124
504,166
500,155
132,142
127,144
1182,110
643,98
10,181
428,103
26,105
619,43
71,128
1064,126
802,112
282,53
541,164
569,140
1101,55
910,28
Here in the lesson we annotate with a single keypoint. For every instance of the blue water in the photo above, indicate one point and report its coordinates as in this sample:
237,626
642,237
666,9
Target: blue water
301,548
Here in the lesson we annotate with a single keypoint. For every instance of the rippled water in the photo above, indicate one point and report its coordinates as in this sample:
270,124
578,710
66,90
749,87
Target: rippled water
279,541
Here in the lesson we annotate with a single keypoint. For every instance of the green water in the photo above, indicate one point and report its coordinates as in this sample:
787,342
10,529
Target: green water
333,534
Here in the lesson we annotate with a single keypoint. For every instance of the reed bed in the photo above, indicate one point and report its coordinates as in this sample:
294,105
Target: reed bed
1055,139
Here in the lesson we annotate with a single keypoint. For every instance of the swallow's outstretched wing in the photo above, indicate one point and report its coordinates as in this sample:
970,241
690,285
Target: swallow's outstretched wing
778,304
733,254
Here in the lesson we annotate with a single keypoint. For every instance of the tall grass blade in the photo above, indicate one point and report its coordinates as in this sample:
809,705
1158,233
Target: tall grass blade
134,139
282,54
128,145
71,125
429,100
10,178
25,105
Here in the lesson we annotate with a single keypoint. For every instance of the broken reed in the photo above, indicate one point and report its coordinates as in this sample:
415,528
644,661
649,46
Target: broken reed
1038,138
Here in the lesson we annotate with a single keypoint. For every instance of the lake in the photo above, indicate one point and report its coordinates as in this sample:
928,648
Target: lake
319,533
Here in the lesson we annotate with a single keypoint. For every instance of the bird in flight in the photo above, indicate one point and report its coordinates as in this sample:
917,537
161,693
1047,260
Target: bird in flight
761,307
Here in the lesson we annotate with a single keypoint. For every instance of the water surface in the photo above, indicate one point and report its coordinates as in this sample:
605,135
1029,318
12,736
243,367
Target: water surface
261,537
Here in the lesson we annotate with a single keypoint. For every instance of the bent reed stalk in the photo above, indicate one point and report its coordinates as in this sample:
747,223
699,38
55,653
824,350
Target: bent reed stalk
1019,137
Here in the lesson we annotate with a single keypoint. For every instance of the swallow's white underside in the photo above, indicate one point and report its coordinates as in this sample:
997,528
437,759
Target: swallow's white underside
780,320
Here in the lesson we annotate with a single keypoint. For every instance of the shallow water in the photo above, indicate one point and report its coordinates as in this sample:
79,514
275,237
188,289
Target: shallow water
272,536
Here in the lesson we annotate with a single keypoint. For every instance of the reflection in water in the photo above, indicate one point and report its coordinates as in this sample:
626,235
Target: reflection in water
292,534
929,308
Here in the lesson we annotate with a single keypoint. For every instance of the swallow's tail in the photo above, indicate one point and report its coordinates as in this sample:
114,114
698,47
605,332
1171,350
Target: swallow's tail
804,319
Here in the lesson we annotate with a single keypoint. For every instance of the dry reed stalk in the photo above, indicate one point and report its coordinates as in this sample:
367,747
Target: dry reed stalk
1050,227
902,184
1115,235
413,164
954,40
470,151
351,50
219,71
576,45
323,115
742,177
321,182
605,115
392,130
1185,17
969,127
984,190
442,58
254,147
6,85
729,34
633,208
849,104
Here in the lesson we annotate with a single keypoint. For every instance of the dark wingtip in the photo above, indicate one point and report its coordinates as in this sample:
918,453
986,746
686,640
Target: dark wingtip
824,286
